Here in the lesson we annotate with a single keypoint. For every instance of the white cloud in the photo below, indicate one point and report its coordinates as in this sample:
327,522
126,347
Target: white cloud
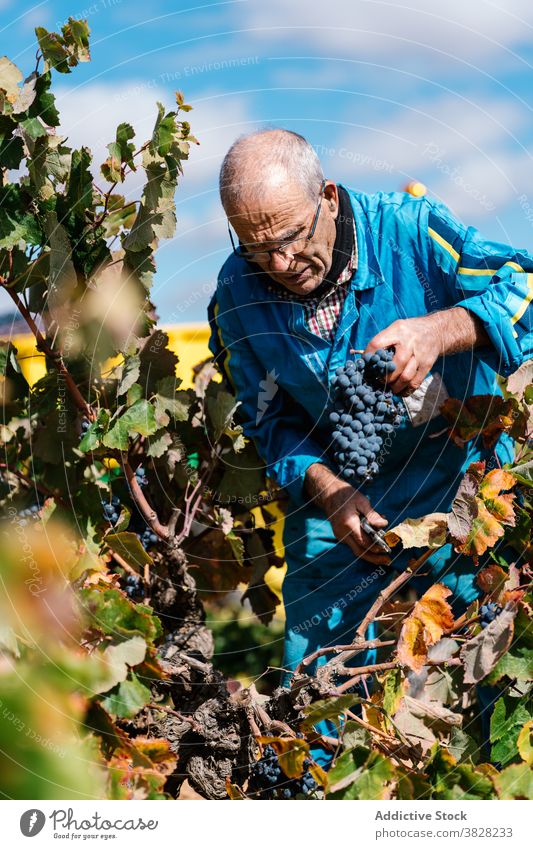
91,113
469,29
467,153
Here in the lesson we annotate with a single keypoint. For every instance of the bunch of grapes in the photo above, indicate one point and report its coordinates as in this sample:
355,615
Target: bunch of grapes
28,513
111,509
147,537
134,587
140,474
363,414
268,781
488,613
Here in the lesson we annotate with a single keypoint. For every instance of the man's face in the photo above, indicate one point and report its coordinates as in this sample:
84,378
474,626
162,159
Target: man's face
283,214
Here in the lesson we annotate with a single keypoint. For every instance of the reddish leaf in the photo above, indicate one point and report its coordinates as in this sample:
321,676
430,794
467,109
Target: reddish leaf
480,509
488,415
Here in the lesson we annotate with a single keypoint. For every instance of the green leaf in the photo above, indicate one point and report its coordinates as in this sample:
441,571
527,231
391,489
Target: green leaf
76,36
80,182
523,472
451,780
33,128
517,663
120,153
43,105
117,659
17,222
92,437
130,373
129,547
515,782
174,402
54,50
508,718
138,419
63,279
462,746
109,611
128,698
332,709
11,147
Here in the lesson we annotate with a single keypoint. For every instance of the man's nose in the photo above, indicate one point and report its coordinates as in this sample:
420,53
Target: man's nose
279,262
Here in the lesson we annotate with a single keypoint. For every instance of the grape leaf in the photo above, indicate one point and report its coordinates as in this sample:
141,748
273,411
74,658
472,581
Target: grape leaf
515,782
430,618
481,653
525,743
127,698
117,659
426,532
479,510
488,415
138,419
291,752
327,709
10,77
129,547
109,611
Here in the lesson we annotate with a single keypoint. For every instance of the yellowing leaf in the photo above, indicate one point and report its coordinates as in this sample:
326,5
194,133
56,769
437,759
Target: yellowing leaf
412,648
291,752
525,743
495,481
431,617
426,532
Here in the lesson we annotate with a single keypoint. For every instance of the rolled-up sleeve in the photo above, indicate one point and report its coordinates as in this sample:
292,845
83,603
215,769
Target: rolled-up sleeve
492,280
277,424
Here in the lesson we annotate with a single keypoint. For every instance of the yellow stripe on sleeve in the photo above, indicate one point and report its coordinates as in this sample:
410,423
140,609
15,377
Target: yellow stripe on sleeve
475,272
525,303
443,243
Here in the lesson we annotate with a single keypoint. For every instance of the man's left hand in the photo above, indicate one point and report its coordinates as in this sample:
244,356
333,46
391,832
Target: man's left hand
417,343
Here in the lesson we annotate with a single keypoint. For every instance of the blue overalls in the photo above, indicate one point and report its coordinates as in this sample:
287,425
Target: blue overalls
414,257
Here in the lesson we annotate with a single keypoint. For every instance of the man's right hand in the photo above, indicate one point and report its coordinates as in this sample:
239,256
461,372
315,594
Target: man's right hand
344,505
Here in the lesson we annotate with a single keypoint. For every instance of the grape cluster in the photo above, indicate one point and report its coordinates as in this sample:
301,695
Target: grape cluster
147,537
134,587
28,513
363,413
488,613
268,781
140,474
111,509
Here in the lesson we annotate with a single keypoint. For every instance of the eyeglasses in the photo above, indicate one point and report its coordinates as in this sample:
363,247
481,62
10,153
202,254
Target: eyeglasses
265,256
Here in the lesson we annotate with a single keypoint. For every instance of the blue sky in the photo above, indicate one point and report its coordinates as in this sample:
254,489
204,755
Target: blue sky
385,91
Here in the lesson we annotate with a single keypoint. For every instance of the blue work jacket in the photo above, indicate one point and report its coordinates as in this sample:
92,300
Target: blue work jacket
414,257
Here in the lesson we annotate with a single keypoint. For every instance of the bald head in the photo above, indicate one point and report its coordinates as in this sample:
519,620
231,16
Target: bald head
257,165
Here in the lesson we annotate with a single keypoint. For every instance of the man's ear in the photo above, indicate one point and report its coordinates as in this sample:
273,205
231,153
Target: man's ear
331,196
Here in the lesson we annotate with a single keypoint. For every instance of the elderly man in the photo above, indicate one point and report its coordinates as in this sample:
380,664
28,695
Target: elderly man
317,270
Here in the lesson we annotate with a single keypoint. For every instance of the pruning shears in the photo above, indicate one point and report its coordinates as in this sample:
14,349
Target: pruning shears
377,536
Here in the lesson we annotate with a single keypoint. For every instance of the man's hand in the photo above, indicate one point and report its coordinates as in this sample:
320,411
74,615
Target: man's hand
343,506
419,342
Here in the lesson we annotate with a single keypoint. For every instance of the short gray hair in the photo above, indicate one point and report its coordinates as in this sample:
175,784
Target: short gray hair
243,172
